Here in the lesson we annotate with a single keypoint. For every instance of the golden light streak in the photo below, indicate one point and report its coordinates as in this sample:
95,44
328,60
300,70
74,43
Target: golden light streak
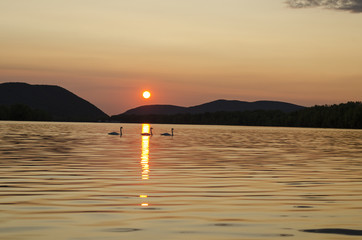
145,158
145,128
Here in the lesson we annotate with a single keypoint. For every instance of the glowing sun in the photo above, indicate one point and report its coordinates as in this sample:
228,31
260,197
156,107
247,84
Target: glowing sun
146,94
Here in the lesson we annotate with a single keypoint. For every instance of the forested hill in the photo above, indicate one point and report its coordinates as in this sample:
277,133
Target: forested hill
22,101
344,115
215,106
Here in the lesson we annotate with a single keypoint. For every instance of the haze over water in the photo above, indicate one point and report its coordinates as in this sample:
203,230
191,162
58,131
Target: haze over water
74,181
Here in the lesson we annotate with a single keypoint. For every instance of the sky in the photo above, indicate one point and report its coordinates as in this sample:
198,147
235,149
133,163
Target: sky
186,52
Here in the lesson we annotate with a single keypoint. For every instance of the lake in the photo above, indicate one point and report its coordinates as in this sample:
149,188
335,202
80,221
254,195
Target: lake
74,181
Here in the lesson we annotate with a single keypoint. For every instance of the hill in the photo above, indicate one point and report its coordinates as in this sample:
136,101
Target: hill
156,109
241,106
344,115
215,106
56,102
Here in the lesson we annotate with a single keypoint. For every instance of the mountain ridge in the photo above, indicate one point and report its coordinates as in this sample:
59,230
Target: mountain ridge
213,106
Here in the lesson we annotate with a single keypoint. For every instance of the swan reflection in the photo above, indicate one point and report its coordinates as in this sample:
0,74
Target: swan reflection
145,157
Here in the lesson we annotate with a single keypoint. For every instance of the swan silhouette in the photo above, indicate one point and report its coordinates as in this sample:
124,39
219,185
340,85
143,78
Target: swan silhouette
147,134
167,134
116,133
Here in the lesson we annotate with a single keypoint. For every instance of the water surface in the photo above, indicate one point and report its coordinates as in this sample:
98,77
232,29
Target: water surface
74,181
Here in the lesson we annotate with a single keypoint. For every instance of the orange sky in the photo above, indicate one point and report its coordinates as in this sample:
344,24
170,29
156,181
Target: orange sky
185,52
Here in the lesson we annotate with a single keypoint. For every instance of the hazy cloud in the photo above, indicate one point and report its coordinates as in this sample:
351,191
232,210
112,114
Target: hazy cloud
346,5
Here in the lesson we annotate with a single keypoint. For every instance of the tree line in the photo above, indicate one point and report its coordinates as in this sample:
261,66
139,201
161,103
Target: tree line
22,112
344,115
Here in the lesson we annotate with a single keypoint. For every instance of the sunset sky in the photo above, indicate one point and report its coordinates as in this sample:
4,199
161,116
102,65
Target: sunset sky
186,52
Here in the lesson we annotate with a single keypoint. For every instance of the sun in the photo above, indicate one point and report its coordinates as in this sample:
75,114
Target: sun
146,94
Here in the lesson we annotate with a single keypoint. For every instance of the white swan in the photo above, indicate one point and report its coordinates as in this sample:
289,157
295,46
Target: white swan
167,134
116,133
148,134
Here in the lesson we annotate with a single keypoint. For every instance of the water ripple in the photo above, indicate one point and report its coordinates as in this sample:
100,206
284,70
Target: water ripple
74,181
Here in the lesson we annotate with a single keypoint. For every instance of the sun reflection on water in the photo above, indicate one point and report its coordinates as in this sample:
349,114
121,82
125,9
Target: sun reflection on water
240,183
145,159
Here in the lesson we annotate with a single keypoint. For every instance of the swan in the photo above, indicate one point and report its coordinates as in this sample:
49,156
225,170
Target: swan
167,134
116,133
148,134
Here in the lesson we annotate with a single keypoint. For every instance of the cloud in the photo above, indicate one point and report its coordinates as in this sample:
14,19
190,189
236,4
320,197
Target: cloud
354,6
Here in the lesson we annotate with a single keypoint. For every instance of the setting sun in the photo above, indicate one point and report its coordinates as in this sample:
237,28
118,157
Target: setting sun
146,94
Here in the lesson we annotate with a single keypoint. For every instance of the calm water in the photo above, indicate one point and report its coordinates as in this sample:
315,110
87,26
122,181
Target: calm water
74,181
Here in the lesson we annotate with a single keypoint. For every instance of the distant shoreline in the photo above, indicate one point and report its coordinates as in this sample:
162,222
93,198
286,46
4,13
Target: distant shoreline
342,116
